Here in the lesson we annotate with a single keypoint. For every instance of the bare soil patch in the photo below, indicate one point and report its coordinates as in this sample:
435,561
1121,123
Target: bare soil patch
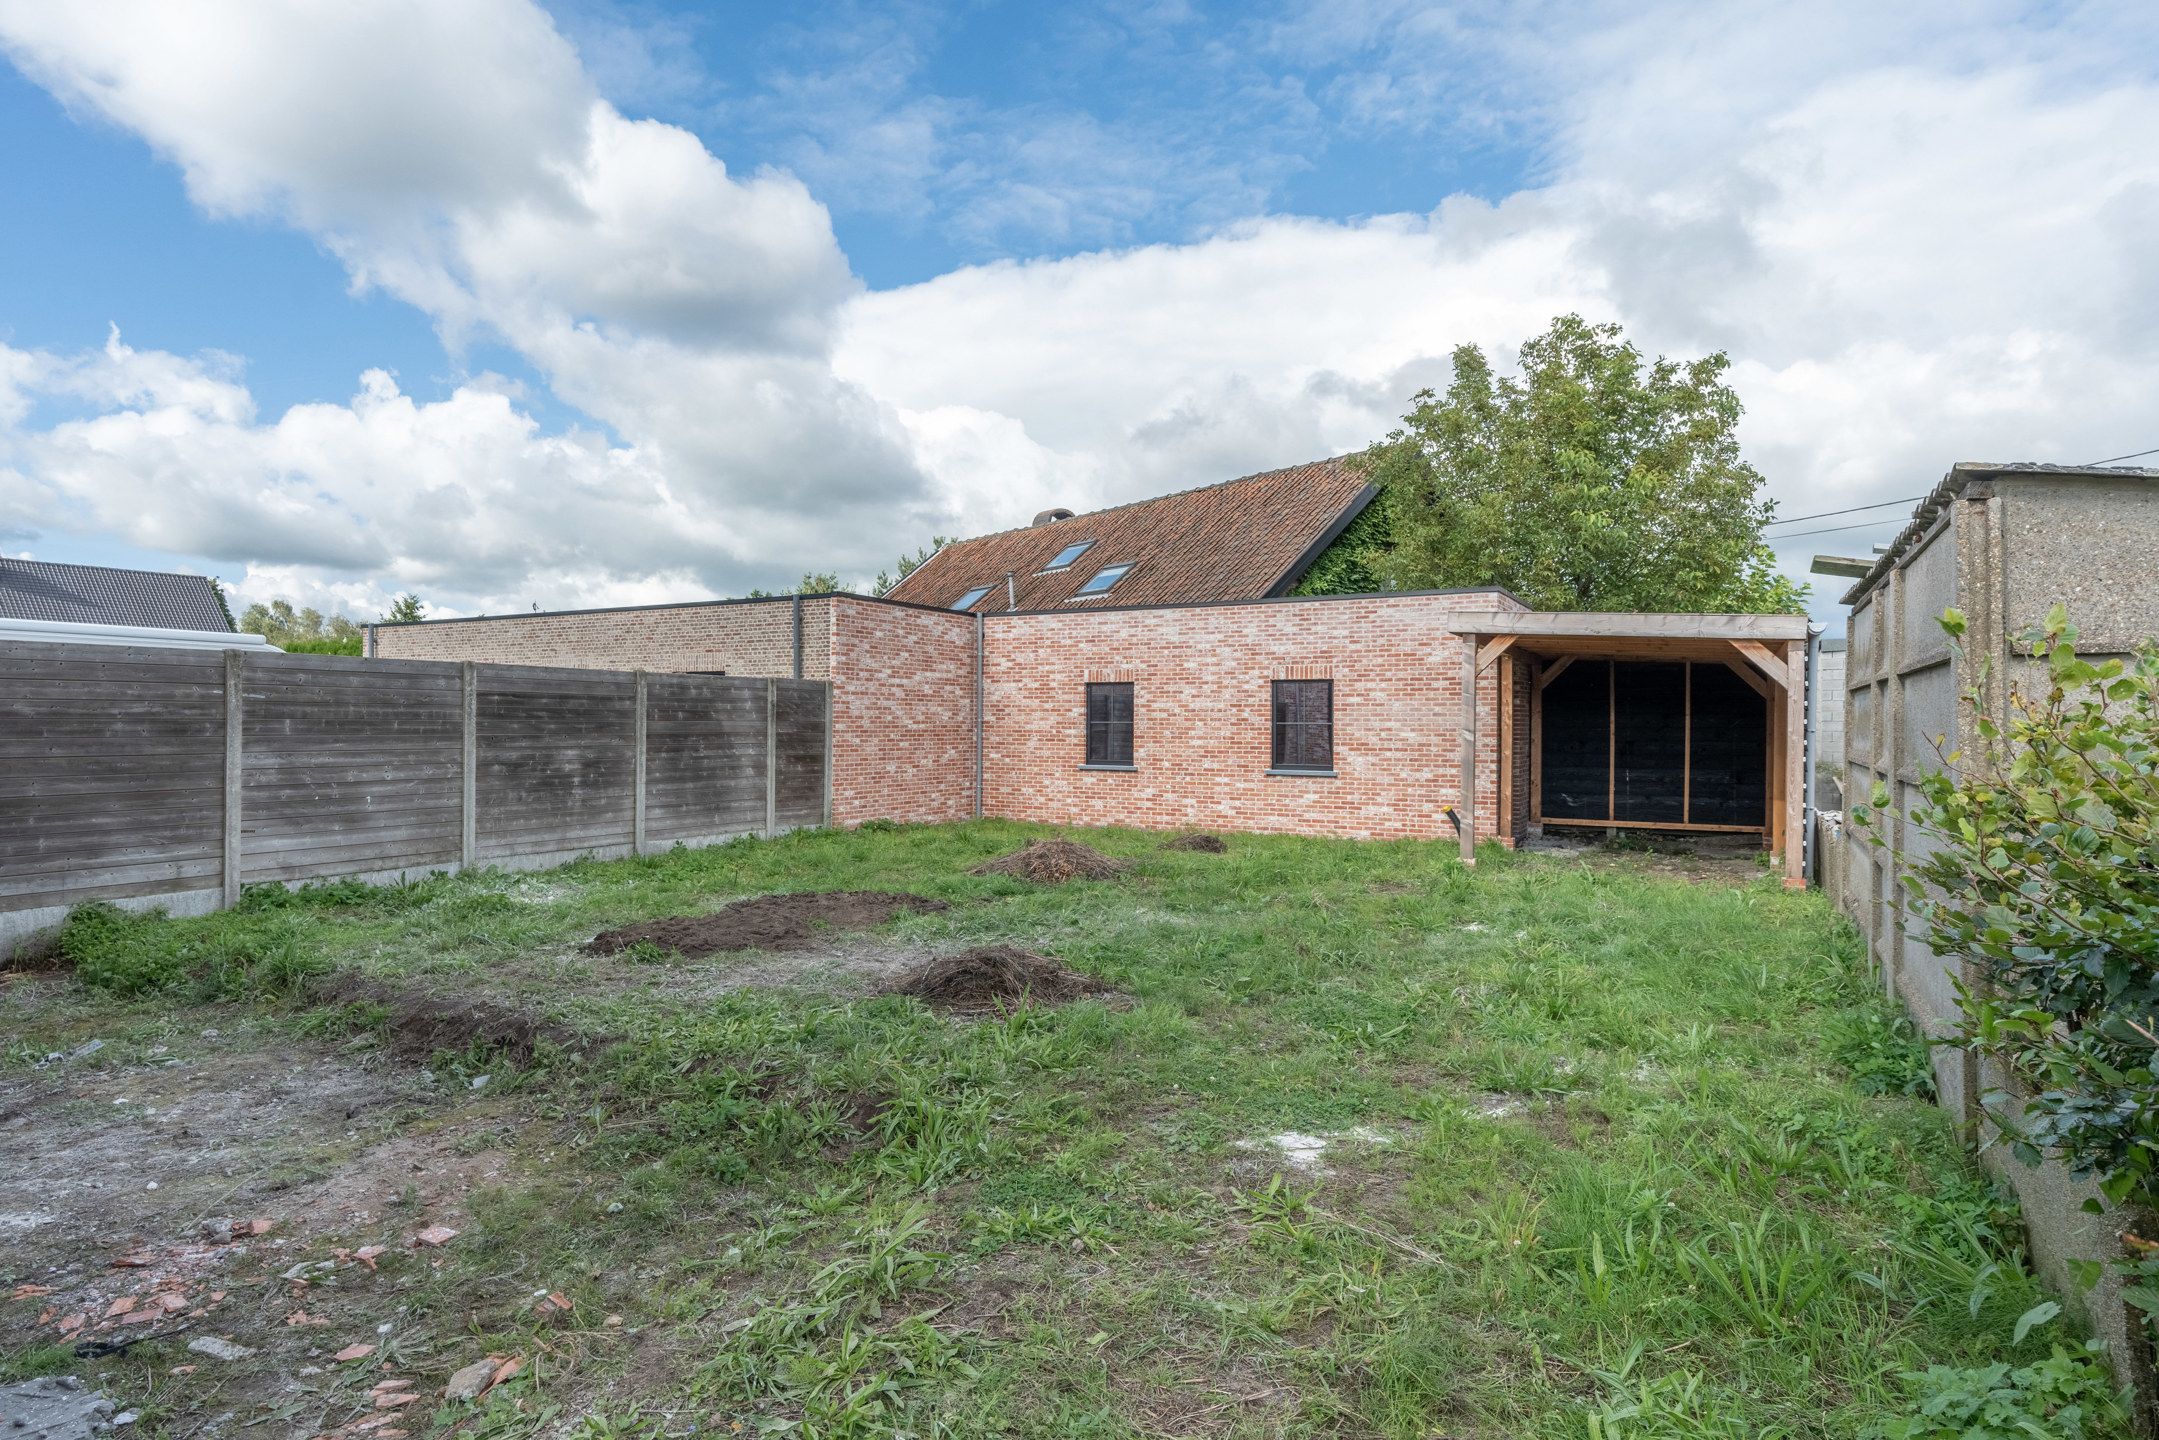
1052,862
420,1023
766,922
1200,842
993,978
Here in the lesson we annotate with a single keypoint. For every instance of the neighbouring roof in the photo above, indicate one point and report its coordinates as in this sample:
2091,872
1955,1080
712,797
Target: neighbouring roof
94,595
1240,540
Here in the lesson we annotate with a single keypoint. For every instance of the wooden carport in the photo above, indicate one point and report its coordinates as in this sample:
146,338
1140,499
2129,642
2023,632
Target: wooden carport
1527,652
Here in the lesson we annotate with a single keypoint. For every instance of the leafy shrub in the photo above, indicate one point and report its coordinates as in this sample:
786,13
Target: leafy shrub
1885,1053
2041,870
2066,1396
127,954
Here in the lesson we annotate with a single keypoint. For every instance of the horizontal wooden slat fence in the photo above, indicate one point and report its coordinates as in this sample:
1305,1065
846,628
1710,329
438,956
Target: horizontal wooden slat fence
180,775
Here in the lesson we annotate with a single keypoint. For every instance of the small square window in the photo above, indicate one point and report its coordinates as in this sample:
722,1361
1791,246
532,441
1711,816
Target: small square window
1066,556
971,598
1099,582
1109,724
1304,725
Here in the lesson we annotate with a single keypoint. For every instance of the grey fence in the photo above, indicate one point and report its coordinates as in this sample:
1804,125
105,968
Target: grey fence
178,776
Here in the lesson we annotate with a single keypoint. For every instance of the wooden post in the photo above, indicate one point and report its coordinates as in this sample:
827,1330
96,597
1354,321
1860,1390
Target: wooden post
469,782
1503,824
1686,744
637,770
1467,803
772,757
234,772
1536,743
1795,744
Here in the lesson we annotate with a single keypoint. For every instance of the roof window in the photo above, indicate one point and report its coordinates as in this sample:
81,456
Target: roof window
1066,556
1099,582
971,599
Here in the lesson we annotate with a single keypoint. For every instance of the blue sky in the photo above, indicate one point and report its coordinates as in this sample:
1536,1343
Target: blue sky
617,302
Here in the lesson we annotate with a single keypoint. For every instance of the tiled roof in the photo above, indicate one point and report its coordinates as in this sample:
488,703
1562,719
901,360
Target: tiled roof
92,594
1240,540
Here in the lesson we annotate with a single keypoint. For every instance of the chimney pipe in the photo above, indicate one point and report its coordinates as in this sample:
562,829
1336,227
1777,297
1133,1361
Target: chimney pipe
1011,593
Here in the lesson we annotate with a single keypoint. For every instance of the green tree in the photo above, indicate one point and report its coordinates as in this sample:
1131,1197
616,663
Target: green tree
404,610
1594,480
306,631
907,566
813,582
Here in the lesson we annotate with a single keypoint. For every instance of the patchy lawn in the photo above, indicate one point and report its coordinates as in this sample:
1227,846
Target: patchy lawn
1337,1139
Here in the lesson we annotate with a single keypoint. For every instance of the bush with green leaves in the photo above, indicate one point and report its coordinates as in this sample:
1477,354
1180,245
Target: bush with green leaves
2065,1396
2043,867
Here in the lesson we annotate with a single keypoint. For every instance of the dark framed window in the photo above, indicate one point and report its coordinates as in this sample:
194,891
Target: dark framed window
1109,724
1303,725
1067,556
971,599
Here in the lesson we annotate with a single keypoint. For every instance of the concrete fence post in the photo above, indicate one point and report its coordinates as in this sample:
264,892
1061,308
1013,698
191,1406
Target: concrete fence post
772,757
468,849
235,770
637,770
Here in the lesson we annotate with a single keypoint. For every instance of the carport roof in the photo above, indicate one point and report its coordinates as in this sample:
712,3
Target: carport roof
1627,634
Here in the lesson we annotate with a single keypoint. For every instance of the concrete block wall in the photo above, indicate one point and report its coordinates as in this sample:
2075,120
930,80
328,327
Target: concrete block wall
734,637
2003,544
1202,735
903,712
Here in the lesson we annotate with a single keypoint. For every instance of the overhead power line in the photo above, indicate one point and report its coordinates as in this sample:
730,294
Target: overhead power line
1852,510
2112,458
1835,529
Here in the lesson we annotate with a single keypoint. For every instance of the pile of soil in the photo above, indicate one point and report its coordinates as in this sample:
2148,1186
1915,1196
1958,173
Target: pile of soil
418,1023
766,922
1200,841
1052,862
992,978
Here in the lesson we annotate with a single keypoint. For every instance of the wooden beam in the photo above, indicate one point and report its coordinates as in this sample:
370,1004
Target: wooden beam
1553,671
1653,825
1494,648
1747,673
1773,629
1765,661
1466,803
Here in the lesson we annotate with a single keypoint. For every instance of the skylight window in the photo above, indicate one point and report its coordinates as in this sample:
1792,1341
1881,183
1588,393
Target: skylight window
971,598
1102,579
1067,555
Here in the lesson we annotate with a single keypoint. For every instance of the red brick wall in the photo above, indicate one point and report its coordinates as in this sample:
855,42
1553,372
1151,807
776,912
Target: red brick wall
739,637
903,713
1201,701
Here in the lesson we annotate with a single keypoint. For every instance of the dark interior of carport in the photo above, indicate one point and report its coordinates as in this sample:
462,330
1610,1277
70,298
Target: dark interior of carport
1642,722
1668,744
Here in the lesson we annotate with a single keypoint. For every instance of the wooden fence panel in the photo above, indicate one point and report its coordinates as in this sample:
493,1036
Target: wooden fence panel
349,765
800,750
111,772
119,770
704,756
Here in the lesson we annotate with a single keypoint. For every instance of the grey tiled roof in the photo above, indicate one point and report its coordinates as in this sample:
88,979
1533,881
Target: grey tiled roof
92,594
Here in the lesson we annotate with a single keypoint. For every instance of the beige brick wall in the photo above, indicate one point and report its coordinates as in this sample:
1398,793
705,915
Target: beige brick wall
738,637
1202,716
903,718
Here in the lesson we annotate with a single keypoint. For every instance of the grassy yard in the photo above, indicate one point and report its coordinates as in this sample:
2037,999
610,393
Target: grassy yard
1604,1152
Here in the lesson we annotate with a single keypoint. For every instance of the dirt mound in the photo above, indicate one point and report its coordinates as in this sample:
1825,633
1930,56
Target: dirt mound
418,1023
994,978
1052,862
766,922
1200,841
